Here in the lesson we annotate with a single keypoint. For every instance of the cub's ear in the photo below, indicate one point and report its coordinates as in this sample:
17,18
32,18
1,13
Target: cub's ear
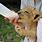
37,17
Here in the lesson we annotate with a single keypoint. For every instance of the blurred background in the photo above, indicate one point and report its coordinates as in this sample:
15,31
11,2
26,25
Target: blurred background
12,4
7,31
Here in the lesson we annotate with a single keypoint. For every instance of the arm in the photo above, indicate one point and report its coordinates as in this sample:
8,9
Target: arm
7,13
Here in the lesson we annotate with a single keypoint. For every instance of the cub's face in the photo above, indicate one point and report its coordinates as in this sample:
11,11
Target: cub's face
28,16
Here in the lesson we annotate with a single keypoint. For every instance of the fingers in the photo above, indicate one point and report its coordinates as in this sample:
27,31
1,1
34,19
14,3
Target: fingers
12,20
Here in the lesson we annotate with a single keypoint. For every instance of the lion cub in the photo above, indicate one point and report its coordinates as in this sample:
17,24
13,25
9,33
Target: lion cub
28,18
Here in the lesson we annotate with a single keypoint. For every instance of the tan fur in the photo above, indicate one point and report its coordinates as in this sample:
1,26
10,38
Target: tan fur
26,18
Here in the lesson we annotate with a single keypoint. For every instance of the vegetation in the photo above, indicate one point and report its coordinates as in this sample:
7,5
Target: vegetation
7,31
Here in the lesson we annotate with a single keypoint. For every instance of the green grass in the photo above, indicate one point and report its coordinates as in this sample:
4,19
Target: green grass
7,31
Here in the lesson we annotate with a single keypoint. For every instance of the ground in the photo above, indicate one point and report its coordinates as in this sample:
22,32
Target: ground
7,32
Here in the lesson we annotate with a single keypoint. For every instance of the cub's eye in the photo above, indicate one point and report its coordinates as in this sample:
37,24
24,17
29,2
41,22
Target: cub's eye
26,11
36,16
